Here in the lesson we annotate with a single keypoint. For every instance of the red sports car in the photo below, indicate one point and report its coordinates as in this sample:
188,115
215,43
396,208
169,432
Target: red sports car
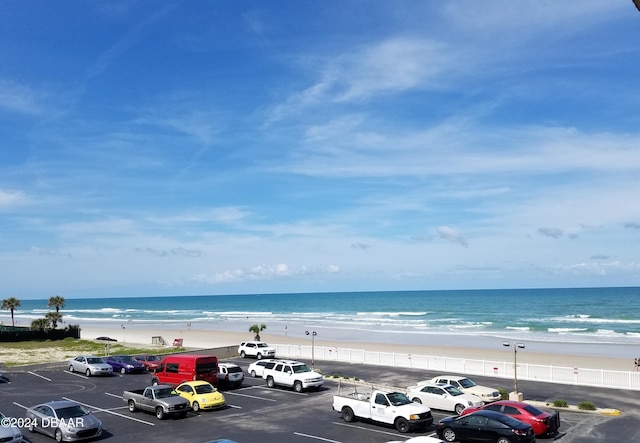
543,423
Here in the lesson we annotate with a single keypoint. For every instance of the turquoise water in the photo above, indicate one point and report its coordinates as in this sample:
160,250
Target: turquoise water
588,315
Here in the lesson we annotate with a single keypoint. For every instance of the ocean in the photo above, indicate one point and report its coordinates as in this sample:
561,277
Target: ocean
581,316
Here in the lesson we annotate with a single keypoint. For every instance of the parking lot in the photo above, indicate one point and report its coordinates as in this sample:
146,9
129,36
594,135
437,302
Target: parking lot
255,413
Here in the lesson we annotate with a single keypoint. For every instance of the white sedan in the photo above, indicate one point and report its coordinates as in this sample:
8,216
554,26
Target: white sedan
468,386
257,368
443,396
90,365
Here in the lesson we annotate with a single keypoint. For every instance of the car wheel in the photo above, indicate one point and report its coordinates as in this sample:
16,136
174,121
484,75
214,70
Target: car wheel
347,414
402,425
459,408
449,435
243,354
503,440
88,372
270,382
416,400
132,406
253,374
297,386
31,428
71,368
159,413
154,382
259,356
195,406
58,435
123,370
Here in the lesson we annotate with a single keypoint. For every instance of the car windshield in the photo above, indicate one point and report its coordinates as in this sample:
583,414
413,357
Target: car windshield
128,359
94,360
452,390
205,389
301,368
164,392
152,358
71,411
398,399
466,383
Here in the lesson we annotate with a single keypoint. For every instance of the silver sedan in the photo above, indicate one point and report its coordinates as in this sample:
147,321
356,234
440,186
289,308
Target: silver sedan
90,365
63,420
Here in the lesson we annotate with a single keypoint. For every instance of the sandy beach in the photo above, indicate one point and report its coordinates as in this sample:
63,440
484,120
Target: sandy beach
475,349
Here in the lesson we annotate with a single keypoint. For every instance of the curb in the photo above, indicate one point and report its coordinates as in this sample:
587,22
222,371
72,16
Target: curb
601,411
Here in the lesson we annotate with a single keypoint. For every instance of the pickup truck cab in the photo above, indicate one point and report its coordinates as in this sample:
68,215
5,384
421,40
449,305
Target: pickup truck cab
393,408
162,400
292,374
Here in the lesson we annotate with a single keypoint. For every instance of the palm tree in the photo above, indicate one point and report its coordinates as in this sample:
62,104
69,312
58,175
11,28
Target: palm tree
53,318
56,301
39,324
257,329
11,304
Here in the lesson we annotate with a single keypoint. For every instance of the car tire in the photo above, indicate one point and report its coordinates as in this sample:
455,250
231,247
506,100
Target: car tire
348,415
253,374
459,408
154,382
71,368
297,386
87,372
132,406
449,435
503,440
402,425
195,406
416,400
270,382
259,356
58,435
243,354
159,413
123,371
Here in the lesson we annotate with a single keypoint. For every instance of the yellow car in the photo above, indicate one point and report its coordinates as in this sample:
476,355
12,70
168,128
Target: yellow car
201,395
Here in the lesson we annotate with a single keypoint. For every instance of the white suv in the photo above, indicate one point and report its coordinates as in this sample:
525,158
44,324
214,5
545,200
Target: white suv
257,349
293,374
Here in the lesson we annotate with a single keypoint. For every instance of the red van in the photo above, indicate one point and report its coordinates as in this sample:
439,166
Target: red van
176,369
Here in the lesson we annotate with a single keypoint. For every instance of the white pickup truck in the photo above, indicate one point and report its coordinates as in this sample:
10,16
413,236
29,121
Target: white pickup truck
293,374
392,408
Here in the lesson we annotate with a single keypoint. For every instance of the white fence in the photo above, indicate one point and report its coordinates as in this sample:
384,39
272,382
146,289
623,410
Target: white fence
544,373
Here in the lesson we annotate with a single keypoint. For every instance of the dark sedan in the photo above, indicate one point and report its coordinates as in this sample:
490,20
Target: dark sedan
124,364
543,423
485,426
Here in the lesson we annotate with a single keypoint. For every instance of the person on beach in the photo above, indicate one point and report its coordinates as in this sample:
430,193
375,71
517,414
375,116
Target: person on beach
636,363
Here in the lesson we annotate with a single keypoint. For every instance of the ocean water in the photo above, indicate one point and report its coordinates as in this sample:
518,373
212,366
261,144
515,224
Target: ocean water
585,316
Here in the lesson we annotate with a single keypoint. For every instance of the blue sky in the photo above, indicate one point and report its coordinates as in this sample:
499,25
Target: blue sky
230,147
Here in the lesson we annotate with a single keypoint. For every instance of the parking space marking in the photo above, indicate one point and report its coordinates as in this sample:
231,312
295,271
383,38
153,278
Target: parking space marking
346,425
113,395
250,396
38,375
77,375
315,437
108,411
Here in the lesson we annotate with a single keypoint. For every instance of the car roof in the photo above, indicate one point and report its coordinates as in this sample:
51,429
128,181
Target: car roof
451,377
227,365
195,383
57,404
494,415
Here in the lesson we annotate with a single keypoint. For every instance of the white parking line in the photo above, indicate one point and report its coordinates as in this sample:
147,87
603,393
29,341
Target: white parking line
108,411
249,396
77,374
364,429
38,375
315,437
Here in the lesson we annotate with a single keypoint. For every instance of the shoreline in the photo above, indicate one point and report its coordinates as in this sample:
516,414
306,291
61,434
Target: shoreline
572,355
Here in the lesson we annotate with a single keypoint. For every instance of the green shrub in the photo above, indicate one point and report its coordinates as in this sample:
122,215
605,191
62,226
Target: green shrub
504,395
586,406
560,403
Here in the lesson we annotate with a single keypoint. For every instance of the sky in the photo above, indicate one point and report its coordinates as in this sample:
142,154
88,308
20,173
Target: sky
223,147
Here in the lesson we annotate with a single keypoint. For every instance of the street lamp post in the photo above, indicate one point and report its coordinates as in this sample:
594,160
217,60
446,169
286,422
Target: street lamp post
313,337
515,395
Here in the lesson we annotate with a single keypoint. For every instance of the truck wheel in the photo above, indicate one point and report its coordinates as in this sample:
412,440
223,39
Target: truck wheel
459,409
270,382
347,414
159,413
449,435
402,425
154,382
259,356
297,386
195,406
58,435
243,354
132,406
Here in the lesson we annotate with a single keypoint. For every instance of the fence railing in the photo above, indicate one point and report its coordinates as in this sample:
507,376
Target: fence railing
602,378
